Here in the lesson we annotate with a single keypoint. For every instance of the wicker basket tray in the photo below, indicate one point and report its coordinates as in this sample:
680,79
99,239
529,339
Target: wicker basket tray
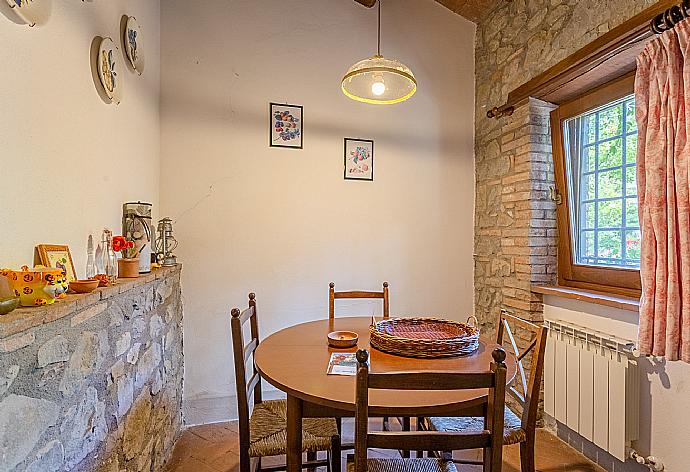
424,338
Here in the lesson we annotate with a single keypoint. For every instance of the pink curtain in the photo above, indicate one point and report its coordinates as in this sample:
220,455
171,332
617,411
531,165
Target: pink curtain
662,95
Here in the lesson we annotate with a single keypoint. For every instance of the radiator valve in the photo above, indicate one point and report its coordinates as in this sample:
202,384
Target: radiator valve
652,463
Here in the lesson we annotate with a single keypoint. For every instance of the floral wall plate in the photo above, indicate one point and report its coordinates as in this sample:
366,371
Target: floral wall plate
134,45
33,12
109,70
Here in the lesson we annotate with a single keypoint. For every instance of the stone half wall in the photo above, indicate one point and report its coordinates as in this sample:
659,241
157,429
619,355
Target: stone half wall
94,382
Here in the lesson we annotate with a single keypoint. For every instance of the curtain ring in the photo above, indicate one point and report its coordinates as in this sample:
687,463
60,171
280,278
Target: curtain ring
668,21
657,23
676,14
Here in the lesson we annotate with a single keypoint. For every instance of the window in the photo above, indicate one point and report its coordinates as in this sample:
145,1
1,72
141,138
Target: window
595,150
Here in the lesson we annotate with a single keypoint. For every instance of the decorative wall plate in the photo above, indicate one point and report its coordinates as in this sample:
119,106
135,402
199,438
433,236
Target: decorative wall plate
33,12
109,70
134,45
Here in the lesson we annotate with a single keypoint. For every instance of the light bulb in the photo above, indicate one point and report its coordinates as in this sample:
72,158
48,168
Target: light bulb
378,88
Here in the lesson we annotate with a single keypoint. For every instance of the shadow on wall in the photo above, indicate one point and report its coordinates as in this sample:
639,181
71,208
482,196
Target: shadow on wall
650,367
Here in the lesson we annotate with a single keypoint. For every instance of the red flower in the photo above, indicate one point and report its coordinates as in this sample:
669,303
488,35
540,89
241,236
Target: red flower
119,243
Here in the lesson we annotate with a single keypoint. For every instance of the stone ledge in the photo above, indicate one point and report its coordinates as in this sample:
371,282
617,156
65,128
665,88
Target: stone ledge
25,318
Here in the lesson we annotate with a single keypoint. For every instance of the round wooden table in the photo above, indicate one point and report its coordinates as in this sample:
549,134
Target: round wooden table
295,360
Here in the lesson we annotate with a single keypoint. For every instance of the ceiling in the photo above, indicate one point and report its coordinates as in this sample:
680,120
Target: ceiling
473,10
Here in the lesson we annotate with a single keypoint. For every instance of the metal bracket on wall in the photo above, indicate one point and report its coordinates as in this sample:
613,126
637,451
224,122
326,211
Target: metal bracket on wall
555,195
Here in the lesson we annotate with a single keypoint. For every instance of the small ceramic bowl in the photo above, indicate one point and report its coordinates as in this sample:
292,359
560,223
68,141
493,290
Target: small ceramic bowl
84,286
8,304
342,339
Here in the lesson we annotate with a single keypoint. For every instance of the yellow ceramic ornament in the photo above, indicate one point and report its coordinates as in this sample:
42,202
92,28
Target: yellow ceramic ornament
37,286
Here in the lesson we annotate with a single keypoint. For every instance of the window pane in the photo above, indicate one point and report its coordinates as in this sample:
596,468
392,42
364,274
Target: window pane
611,122
611,153
588,245
589,159
632,219
631,181
589,187
610,214
603,200
609,243
631,149
588,219
590,128
611,183
630,120
632,246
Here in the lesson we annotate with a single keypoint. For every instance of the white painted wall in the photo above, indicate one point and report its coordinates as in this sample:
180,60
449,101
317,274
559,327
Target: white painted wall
664,415
68,160
283,222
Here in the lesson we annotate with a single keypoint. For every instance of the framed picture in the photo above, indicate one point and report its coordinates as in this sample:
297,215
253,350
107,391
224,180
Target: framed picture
286,126
359,159
58,257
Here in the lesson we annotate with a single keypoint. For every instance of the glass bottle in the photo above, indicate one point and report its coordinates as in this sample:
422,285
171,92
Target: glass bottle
108,257
90,260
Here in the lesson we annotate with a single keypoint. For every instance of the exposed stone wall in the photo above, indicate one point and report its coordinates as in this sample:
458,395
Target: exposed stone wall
94,382
515,227
515,219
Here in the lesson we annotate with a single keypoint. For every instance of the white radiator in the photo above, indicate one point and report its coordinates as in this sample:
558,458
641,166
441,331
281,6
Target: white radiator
591,385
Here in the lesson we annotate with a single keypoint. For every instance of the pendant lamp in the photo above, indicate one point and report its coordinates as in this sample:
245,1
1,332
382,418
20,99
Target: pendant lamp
378,80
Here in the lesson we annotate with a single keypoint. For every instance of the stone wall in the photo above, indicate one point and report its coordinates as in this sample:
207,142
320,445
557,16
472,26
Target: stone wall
94,382
515,223
515,217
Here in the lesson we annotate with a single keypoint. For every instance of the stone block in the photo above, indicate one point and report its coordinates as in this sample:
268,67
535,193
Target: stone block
7,377
84,427
149,361
123,343
52,351
48,458
86,315
16,342
23,420
135,432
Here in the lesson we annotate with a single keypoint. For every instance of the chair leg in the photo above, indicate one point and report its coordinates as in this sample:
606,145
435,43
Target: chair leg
336,453
245,460
406,427
311,456
527,454
420,427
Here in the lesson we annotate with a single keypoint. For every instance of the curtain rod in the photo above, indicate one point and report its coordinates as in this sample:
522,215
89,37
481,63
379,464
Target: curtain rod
670,18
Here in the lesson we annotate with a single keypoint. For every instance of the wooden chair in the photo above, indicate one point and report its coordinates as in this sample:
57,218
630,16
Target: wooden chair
333,296
263,431
489,437
517,429
355,294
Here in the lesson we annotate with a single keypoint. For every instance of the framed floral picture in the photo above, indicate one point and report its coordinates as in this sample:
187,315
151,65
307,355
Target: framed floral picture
286,126
359,159
58,257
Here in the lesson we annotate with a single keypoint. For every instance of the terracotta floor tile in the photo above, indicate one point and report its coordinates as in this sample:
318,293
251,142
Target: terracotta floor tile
214,448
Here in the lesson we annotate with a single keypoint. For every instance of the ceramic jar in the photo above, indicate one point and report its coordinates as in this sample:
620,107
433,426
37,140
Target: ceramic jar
37,286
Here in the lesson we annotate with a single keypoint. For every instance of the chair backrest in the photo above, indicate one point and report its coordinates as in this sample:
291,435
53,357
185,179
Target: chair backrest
333,296
530,386
242,352
490,439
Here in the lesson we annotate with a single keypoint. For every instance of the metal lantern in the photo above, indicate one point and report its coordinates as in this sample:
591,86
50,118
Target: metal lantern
166,243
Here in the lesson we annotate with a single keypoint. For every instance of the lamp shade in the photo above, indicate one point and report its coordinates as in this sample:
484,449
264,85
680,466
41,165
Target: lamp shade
379,81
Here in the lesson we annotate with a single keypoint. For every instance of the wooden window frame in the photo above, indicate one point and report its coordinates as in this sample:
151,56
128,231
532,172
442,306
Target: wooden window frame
605,279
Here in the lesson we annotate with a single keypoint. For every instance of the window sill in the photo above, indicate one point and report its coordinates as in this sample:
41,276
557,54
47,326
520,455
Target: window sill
600,298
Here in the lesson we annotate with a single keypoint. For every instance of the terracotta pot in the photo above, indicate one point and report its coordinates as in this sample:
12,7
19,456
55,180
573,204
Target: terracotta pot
128,268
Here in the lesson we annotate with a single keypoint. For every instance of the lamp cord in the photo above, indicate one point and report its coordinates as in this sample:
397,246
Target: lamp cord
379,34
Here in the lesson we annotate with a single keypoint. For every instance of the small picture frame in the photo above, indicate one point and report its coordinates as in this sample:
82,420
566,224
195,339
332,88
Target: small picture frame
359,159
286,126
58,257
